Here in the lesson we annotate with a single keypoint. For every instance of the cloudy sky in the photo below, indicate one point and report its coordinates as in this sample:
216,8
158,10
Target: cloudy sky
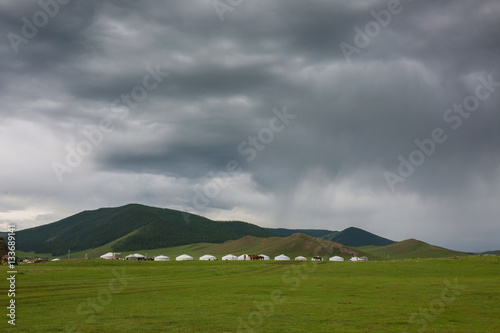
292,113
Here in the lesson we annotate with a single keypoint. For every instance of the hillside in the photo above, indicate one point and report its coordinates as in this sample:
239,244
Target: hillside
130,228
311,232
497,252
292,246
356,237
410,248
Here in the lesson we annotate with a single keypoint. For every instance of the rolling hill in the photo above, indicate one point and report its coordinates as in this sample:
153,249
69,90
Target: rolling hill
137,227
410,248
130,228
292,246
356,237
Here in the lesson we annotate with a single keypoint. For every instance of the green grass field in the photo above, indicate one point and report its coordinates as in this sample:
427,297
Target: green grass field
428,295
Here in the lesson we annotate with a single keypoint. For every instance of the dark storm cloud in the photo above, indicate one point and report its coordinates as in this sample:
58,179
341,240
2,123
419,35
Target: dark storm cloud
352,118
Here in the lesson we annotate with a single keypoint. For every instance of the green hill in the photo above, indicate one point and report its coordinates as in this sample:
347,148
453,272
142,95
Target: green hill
129,228
356,237
410,248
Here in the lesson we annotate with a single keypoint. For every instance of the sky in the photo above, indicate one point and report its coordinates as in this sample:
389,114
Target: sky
382,115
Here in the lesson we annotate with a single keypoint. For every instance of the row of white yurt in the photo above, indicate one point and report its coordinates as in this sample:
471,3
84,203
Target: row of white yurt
334,258
208,257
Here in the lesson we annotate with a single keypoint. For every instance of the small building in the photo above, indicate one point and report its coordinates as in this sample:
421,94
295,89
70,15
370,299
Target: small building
184,257
161,257
230,257
208,257
135,256
244,257
265,257
281,257
301,258
111,256
336,258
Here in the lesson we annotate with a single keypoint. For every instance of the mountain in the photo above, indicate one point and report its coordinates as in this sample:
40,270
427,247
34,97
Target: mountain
356,237
130,228
410,248
311,232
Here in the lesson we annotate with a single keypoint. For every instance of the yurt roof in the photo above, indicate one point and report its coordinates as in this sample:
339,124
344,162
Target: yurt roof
184,257
207,256
162,257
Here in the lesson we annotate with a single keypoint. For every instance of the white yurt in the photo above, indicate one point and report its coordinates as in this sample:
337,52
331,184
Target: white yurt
184,257
55,259
162,258
336,258
208,257
230,257
265,257
301,258
108,256
135,256
281,257
244,257
354,259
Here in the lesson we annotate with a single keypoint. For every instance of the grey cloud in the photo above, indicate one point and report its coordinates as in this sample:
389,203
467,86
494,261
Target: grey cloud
353,119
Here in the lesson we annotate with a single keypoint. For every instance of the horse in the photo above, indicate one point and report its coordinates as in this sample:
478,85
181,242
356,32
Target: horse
256,257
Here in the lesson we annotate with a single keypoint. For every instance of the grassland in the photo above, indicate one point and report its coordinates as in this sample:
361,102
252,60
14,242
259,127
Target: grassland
432,295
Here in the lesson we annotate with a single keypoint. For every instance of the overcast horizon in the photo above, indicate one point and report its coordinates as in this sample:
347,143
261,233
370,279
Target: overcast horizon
300,114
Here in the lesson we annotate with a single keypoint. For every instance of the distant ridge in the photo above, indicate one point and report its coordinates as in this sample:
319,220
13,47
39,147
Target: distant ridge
410,248
356,237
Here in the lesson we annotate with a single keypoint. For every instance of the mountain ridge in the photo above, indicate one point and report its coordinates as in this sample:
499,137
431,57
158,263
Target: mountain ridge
155,228
356,237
